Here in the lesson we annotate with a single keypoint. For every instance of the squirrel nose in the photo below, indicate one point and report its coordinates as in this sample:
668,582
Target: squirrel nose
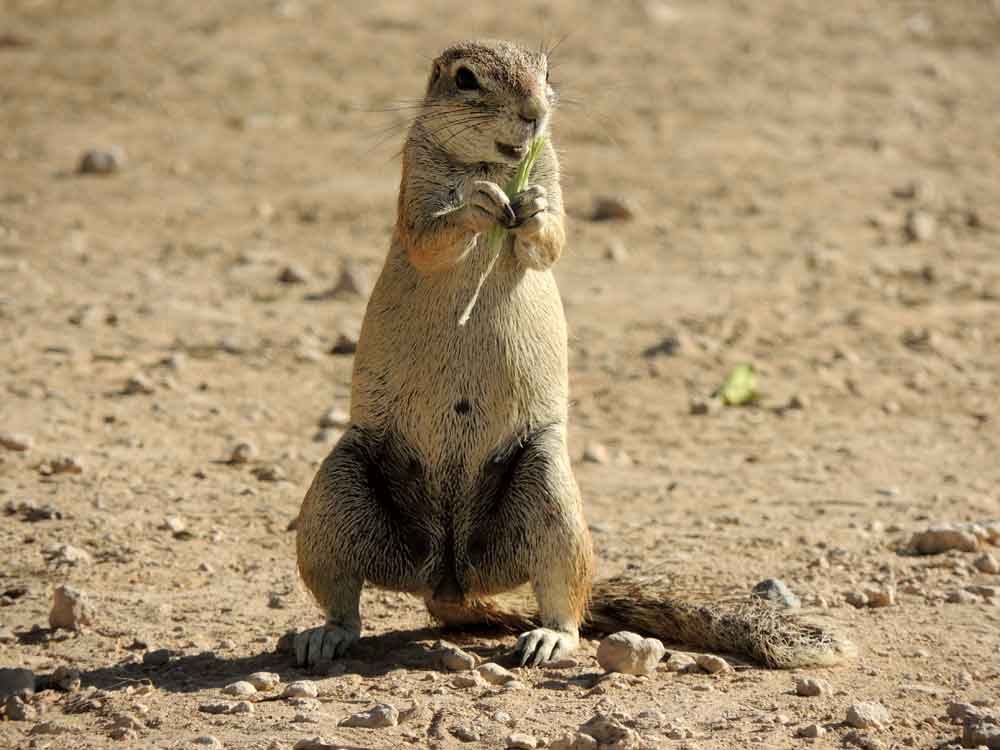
532,110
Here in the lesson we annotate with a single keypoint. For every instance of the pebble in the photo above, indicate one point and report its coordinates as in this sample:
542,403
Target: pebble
678,662
243,707
174,524
346,342
630,653
565,663
16,441
884,596
67,554
981,732
920,226
65,678
207,740
609,207
864,741
939,539
71,609
958,596
777,591
107,160
857,599
16,682
335,417
987,563
495,674
701,406
453,659
65,465
241,688
810,687
868,715
264,681
17,709
610,729
713,664
811,731
381,716
304,718
293,274
7,635
354,280
963,711
317,743
616,251
243,453
301,689
157,658
468,680
138,385
575,741
521,741
596,453
465,734
215,707
269,473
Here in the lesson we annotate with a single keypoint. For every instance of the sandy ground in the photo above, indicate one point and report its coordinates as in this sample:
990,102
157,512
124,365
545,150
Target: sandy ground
816,190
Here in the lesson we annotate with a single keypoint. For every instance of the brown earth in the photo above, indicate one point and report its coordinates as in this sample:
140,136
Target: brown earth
781,156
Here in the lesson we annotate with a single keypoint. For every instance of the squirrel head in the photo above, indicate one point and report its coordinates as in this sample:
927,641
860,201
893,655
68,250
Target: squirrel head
487,100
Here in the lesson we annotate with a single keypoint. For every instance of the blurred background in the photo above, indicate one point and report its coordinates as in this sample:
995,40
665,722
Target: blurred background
195,198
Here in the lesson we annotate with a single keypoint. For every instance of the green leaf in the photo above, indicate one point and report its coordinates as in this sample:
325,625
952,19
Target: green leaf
516,185
739,387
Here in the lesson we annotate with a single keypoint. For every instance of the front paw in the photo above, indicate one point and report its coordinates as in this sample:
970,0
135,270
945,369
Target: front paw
317,645
529,207
488,206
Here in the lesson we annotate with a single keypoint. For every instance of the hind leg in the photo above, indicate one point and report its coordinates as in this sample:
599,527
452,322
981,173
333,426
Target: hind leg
350,530
534,529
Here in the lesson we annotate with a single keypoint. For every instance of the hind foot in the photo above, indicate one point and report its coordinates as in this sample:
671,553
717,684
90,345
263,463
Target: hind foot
541,645
327,642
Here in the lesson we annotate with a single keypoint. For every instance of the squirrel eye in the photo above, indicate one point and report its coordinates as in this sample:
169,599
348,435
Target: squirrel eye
466,80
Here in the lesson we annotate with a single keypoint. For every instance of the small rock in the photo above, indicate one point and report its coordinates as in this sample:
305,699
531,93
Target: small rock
465,734
264,681
381,716
884,596
303,718
293,274
65,465
243,707
958,596
713,664
242,688
811,731
629,653
174,524
810,687
16,441
108,160
987,563
521,741
317,743
777,591
864,741
243,453
157,658
453,659
301,689
467,680
66,679
678,662
610,207
353,281
610,729
978,732
335,417
919,226
207,740
868,715
138,385
616,251
269,473
939,539
596,453
71,609
963,711
215,707
7,635
495,674
16,682
565,663
987,592
68,555
702,406
857,599
575,741
15,708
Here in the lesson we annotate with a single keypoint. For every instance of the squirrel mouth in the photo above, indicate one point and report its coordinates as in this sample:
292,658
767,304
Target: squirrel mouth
511,152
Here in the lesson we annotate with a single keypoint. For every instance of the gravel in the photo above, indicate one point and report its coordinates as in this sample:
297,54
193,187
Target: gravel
381,716
776,591
868,715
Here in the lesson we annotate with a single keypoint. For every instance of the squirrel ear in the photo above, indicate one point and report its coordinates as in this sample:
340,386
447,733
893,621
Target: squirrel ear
435,75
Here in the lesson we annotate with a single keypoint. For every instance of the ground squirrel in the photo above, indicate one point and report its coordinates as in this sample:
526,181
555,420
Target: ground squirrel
453,480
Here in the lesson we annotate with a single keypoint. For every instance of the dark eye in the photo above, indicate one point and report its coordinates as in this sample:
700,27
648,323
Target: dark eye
466,80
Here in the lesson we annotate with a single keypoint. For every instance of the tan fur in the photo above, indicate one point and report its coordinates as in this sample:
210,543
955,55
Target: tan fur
453,481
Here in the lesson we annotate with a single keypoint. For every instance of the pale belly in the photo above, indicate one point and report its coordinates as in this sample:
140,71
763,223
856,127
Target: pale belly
456,393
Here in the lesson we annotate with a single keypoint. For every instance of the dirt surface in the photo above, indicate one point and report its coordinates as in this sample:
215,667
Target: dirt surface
816,192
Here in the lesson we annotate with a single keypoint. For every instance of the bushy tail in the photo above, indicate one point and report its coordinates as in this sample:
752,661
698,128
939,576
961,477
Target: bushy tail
653,607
